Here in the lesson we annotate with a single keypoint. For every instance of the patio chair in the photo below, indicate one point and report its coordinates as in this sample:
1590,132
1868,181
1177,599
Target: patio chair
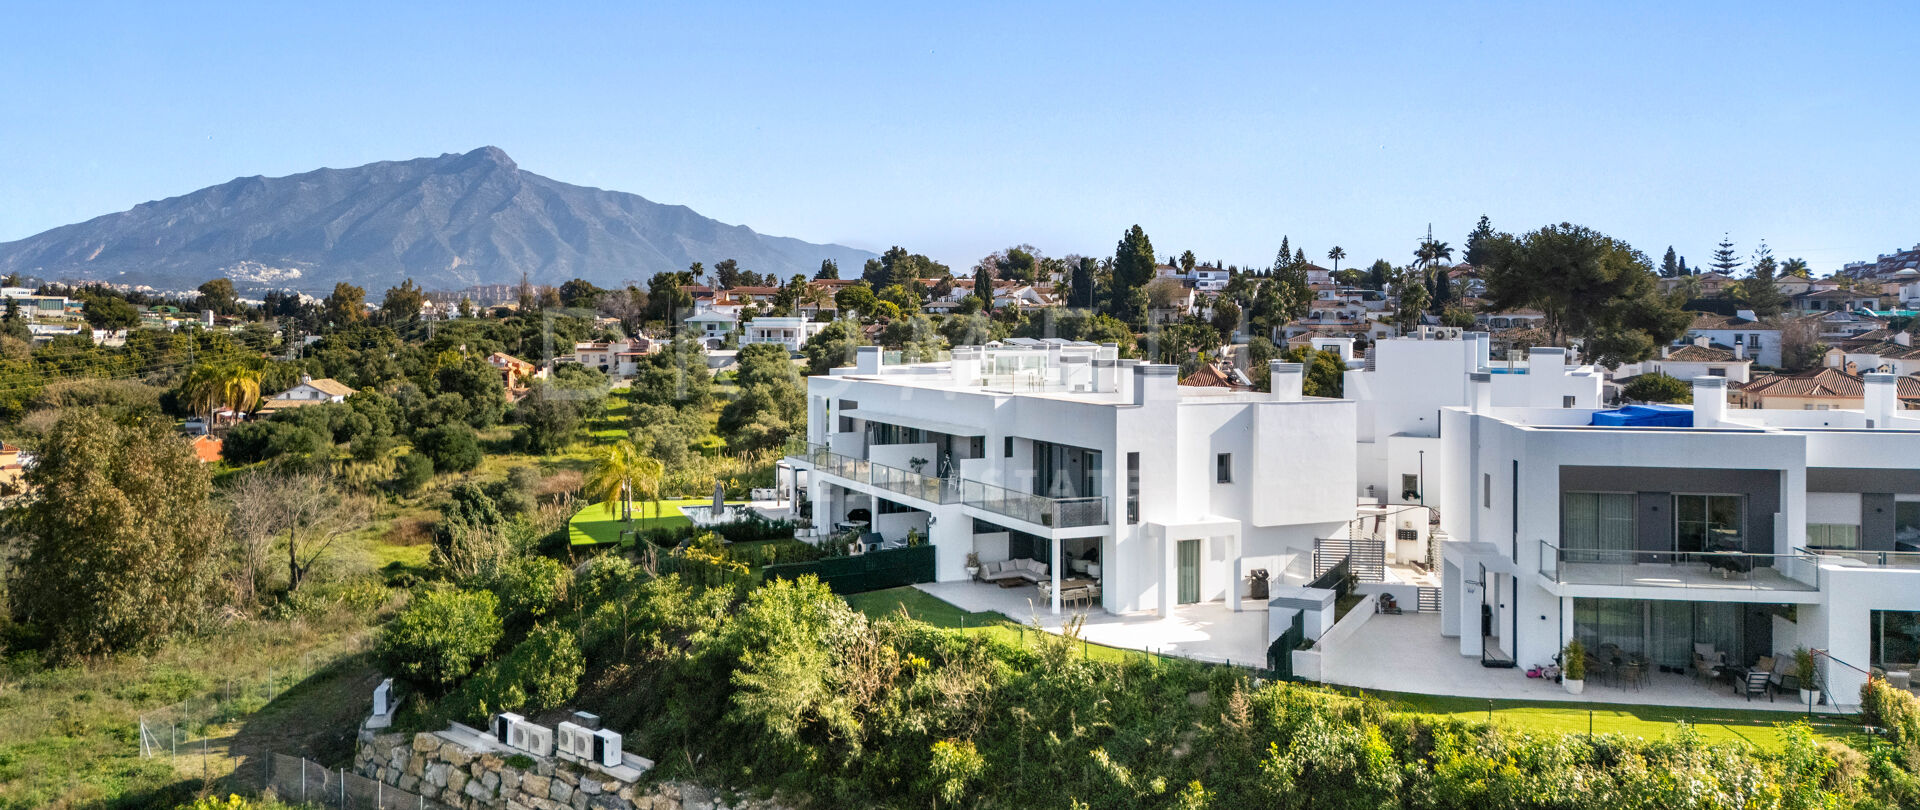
1634,674
1707,662
1758,680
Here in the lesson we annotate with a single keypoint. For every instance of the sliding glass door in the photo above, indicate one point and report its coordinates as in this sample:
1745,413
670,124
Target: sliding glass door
1665,632
1709,522
1595,523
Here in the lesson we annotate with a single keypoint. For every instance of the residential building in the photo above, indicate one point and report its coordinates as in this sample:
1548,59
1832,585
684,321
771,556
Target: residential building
514,372
1759,341
1401,391
1835,300
713,325
1703,359
1709,284
1886,264
13,470
1816,389
788,332
307,392
617,358
1879,350
1511,319
1117,479
1720,538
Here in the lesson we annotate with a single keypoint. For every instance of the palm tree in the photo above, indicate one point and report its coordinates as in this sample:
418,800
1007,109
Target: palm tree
210,386
1336,254
815,297
240,388
624,473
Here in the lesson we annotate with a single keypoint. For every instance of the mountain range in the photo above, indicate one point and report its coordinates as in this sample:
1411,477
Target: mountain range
447,222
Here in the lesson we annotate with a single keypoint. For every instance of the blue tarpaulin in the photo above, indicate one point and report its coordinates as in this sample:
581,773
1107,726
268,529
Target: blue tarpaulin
1644,416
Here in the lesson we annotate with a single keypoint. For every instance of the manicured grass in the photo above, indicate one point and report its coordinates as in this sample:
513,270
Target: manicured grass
598,524
940,613
1759,727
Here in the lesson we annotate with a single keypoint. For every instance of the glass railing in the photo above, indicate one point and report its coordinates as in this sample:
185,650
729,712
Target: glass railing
1883,559
1059,513
892,479
1796,571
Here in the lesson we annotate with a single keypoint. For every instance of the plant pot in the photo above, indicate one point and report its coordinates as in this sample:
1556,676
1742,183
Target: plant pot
1808,696
973,571
1574,687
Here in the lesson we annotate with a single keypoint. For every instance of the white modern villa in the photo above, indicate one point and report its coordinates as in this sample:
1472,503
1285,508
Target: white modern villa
1130,491
1702,541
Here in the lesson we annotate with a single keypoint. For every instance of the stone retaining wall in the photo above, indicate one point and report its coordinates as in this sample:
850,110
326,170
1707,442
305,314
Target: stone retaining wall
449,773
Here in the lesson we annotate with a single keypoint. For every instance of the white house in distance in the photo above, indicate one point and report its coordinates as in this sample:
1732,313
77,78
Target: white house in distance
1116,482
1699,359
713,326
788,332
308,392
1759,341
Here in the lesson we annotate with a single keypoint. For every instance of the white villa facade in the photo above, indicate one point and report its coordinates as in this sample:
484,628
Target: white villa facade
788,332
1156,494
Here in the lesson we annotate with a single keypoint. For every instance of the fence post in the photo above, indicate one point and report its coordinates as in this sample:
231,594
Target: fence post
303,779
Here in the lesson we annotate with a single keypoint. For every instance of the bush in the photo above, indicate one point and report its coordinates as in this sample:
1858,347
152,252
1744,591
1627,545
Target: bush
1658,387
451,446
1895,710
411,472
436,639
542,672
531,588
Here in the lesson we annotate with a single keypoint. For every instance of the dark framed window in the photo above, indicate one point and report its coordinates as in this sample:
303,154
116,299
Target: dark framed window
1133,488
1223,468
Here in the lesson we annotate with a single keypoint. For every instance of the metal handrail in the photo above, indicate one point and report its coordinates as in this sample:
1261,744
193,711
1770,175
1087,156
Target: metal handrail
893,479
1883,559
1556,562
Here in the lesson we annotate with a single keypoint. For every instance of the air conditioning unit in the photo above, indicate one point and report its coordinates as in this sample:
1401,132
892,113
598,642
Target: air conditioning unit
383,698
536,740
606,748
502,723
574,741
587,720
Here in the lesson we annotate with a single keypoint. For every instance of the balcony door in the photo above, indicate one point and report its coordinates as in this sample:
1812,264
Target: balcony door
1710,523
1597,527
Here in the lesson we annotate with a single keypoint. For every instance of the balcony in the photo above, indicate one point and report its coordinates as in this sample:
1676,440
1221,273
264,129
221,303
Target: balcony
1872,559
881,476
1709,570
1058,513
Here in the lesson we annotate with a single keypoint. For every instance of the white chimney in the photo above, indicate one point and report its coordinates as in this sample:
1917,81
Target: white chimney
1155,382
866,360
1482,383
1666,352
1285,381
1702,341
1709,401
1740,351
1903,338
1882,399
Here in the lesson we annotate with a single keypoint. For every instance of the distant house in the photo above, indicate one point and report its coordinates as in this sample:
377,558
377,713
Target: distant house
208,448
1511,319
1892,353
1818,389
514,372
1701,359
1710,284
13,470
1835,300
1759,341
787,332
308,392
713,325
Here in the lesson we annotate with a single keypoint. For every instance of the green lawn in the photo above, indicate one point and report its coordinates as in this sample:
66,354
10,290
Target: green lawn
940,613
596,524
1759,727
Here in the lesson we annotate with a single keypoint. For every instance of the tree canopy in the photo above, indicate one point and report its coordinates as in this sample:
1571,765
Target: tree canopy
1590,286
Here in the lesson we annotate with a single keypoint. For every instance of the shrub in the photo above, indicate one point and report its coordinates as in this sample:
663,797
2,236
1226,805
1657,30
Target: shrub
542,672
451,446
411,472
531,587
1574,661
1658,387
436,639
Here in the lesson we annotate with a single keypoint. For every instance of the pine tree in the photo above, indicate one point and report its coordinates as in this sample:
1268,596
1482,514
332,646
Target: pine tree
1133,264
1670,266
1724,259
1479,242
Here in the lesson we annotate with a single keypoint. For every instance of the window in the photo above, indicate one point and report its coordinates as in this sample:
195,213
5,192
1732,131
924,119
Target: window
1833,535
1008,448
1596,521
1486,490
1717,371
1223,468
1709,522
976,447
1409,487
1813,407
1133,488
1906,524
1753,344
1566,402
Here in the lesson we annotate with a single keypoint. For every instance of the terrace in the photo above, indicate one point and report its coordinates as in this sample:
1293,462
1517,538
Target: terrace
1708,570
1040,510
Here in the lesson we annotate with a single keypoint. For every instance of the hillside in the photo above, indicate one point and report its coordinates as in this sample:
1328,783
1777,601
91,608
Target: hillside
447,222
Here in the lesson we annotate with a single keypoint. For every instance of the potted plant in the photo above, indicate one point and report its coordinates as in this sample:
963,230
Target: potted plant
916,463
1805,672
1573,667
973,564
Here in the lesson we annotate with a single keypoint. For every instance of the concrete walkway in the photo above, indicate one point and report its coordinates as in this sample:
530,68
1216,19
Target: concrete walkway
1204,632
1406,653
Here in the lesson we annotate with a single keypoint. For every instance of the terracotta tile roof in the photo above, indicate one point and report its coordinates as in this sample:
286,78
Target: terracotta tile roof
1710,321
1210,375
1823,382
208,448
1703,354
1880,348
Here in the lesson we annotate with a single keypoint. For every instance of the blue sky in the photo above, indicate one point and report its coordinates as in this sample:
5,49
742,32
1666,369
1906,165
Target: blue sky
954,129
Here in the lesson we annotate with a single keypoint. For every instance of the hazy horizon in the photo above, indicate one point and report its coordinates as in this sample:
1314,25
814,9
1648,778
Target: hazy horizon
957,131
